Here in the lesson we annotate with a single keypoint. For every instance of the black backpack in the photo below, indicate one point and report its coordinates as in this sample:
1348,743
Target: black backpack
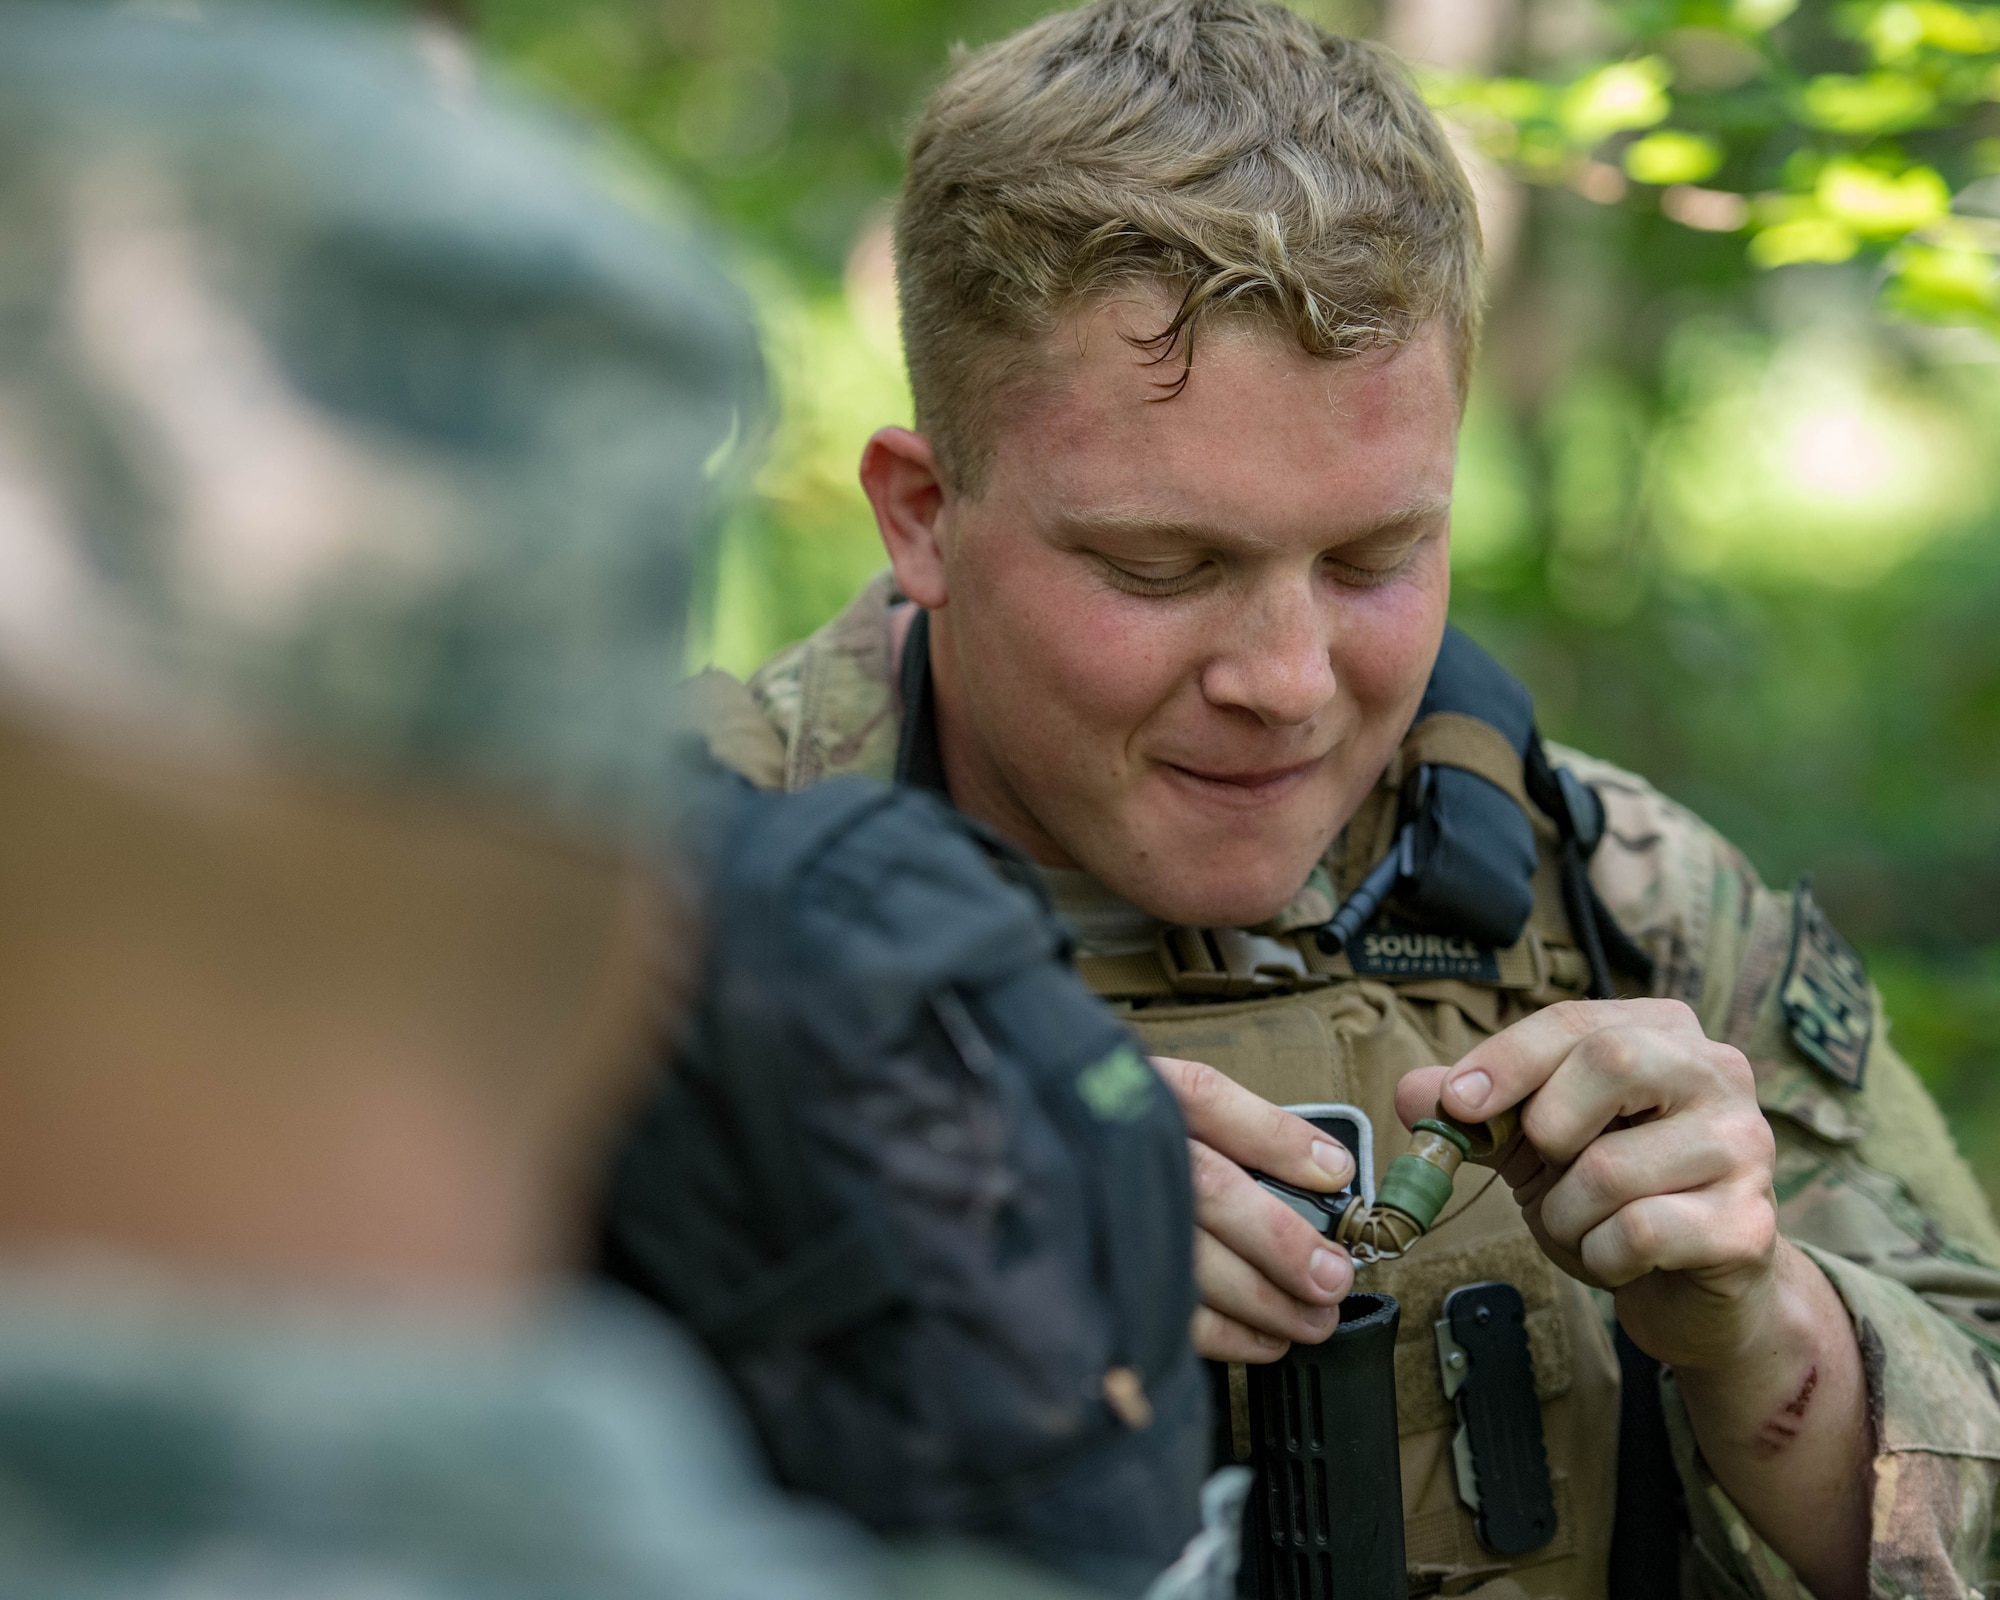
919,1194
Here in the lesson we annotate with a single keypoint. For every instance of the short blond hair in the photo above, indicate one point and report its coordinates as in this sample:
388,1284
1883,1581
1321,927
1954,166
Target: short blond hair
1229,151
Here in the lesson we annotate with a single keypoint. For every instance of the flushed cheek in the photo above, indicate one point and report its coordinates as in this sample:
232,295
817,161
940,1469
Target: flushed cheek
1384,643
1110,675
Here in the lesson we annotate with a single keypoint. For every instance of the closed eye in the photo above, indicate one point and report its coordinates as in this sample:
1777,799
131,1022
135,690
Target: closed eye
1154,587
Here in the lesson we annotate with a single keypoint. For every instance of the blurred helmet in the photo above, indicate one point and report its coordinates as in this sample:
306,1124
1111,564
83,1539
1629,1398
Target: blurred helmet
350,412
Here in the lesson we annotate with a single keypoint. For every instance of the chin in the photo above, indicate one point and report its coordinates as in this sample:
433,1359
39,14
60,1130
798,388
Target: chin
1218,899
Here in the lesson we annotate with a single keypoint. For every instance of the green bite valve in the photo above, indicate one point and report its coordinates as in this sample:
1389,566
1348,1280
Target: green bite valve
1418,1183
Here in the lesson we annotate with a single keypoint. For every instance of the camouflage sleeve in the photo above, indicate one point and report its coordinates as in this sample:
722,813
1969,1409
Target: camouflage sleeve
1868,1181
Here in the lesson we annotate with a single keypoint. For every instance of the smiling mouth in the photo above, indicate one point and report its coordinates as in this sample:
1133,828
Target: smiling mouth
1251,785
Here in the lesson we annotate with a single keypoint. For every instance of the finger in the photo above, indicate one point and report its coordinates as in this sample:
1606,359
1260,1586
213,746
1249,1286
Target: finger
1521,1166
1625,1072
1217,1338
1504,1070
1249,1129
1231,1286
1714,1229
1417,1094
1668,1157
1264,1231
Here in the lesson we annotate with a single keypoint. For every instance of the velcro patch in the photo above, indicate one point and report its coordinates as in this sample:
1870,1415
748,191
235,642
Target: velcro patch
1379,952
1826,997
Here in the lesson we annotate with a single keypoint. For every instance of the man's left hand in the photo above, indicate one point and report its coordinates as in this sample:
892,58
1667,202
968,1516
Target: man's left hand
1643,1164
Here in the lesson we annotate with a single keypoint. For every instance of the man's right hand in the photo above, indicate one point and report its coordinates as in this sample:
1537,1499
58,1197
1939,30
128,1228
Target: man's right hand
1265,1275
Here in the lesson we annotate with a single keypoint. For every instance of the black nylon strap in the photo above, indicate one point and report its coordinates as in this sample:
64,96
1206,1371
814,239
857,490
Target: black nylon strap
1651,1519
1605,945
918,760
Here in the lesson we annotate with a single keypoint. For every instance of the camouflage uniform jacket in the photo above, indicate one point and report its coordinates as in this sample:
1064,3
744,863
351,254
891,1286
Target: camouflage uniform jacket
161,1441
1868,1180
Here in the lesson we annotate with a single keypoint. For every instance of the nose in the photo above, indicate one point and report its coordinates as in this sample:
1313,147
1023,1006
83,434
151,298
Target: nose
1277,660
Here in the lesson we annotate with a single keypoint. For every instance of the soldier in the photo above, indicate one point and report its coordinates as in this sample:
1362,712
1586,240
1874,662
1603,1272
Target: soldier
353,440
1190,290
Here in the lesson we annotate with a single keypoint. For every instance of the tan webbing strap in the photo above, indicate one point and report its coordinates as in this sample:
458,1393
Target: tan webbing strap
733,724
1132,977
1450,739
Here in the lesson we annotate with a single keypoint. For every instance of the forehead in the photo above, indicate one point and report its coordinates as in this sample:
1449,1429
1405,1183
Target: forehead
1261,435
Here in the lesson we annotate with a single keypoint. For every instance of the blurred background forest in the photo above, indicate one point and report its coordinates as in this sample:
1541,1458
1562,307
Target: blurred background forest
1728,498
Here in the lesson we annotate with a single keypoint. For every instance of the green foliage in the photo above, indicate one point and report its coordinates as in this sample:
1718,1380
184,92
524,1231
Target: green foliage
1839,131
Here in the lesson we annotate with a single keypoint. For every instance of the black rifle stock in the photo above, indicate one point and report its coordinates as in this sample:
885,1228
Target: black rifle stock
1325,1517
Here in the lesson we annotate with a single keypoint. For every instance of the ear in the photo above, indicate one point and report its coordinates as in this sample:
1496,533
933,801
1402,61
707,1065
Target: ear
900,476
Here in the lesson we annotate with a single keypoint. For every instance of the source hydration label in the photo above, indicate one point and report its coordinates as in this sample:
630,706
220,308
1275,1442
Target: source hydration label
1396,953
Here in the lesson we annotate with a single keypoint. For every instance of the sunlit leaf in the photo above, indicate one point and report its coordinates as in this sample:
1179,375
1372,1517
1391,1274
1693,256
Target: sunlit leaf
1881,204
1758,16
1881,102
1896,31
1942,283
1518,99
1673,156
1803,239
1626,94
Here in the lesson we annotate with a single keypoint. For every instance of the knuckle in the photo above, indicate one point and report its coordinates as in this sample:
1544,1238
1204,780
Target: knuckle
1574,1016
1746,1142
1676,1015
1617,1052
1199,1086
1211,1172
1639,1235
1599,1172
1732,1066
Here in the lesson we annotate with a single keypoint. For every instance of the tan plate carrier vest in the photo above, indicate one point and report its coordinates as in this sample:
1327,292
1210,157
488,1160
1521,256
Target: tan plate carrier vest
1297,1026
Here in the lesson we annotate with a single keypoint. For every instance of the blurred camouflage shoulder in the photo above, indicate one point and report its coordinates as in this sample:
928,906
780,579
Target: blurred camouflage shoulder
1866,1163
832,696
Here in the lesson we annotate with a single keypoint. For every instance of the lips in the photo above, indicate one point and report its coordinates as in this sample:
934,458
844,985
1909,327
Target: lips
1259,784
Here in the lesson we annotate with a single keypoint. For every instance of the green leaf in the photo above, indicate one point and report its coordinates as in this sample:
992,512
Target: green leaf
1879,204
1881,102
1803,239
1759,16
1626,94
1896,32
1942,283
1672,156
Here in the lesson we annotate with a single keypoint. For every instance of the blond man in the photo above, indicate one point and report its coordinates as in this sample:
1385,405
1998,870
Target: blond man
1190,293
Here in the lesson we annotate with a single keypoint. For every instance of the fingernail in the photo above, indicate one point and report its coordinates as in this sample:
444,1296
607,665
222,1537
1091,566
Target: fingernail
1333,1160
1329,1271
1319,1318
1266,1342
1472,1088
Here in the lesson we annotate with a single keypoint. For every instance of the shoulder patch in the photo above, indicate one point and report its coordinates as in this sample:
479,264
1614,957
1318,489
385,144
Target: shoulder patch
1826,999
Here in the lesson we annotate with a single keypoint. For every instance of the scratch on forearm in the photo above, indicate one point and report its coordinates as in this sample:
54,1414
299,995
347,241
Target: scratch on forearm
1782,1428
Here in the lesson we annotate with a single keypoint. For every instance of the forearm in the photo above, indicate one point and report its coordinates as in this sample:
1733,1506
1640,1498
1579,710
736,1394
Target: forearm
1784,1428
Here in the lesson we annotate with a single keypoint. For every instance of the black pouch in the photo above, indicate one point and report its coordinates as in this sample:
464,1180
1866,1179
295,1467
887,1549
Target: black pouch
920,1195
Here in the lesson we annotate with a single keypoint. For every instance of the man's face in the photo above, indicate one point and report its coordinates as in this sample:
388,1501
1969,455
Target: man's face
1183,636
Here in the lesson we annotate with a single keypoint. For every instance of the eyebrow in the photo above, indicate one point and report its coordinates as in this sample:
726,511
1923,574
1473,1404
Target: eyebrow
1144,525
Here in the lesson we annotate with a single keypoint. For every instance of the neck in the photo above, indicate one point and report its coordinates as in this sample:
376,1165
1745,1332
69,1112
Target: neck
974,780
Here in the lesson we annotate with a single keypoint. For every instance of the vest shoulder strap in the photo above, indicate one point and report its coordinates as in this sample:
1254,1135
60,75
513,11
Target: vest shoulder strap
1453,739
